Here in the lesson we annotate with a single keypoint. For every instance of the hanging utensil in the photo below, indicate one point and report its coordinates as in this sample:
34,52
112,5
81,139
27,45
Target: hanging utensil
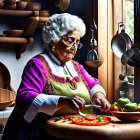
132,56
122,75
92,55
137,44
121,42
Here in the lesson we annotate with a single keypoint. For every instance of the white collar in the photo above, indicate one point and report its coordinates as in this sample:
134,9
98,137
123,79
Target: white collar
55,60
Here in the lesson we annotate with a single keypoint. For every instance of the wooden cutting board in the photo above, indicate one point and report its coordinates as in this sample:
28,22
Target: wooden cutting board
116,130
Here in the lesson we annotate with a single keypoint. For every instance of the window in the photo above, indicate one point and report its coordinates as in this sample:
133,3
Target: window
129,6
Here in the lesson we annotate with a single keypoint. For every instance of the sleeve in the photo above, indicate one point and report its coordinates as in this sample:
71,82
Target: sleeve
30,99
93,83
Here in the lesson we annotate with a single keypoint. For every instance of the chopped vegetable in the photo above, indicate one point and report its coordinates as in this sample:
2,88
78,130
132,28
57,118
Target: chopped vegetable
114,104
100,119
138,108
63,121
105,121
57,119
114,108
69,118
91,117
66,117
81,120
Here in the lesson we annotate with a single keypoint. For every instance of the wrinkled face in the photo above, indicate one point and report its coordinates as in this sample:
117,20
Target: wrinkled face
66,48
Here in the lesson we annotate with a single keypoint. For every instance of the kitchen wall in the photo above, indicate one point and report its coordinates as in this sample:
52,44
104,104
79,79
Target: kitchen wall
81,8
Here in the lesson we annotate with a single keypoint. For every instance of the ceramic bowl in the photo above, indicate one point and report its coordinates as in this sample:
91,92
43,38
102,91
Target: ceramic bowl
1,4
2,35
94,64
126,116
14,33
10,2
44,13
33,6
21,5
10,7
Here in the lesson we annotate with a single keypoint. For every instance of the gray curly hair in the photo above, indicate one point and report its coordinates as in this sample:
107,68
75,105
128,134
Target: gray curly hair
59,25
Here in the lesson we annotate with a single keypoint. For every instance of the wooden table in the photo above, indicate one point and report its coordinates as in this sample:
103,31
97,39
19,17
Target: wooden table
116,130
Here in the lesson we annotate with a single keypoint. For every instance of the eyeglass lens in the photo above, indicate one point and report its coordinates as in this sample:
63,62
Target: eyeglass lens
71,41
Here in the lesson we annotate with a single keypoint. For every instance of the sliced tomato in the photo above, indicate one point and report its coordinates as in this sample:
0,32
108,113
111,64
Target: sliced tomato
66,117
123,109
114,108
91,117
83,121
138,108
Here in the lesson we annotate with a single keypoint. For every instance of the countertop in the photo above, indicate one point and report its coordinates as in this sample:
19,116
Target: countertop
116,130
6,112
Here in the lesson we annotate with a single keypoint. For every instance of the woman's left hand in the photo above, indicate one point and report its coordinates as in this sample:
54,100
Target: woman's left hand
100,99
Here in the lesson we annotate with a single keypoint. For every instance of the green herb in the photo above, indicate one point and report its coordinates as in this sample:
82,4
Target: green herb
57,119
114,104
81,120
100,119
63,121
69,118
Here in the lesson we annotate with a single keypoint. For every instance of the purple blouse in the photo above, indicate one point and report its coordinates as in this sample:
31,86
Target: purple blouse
33,82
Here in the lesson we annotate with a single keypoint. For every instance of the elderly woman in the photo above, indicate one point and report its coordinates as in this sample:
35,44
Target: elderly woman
52,83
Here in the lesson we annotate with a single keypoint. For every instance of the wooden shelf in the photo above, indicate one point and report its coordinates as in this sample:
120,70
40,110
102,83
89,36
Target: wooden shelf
18,13
13,40
21,43
32,22
29,28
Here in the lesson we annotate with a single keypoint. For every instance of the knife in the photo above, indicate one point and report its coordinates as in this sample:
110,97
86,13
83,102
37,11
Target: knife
92,105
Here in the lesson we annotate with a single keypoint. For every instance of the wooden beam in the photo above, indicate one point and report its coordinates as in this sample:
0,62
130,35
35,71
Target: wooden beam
105,33
102,41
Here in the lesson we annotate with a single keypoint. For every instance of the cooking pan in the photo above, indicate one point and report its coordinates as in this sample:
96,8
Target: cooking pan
137,44
129,57
121,42
132,56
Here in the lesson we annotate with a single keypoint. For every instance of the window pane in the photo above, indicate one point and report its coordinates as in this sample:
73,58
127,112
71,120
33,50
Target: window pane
130,18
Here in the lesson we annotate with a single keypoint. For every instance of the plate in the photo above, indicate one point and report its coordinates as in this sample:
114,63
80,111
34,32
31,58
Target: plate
126,116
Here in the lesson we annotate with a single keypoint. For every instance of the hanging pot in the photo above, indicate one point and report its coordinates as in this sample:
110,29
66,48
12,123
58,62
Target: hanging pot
121,42
129,57
132,56
137,44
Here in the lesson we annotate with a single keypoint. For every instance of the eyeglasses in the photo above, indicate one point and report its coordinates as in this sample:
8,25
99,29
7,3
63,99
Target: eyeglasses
70,41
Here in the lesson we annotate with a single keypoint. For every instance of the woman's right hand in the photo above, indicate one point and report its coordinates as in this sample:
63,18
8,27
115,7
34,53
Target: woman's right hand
71,102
